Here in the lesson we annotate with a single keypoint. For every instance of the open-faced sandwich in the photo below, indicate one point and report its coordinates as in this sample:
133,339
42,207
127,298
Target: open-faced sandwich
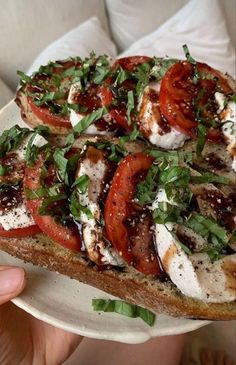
127,181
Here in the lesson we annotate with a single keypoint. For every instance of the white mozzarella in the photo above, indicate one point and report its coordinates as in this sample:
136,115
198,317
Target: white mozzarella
38,141
194,275
228,119
75,118
149,114
74,90
17,217
92,232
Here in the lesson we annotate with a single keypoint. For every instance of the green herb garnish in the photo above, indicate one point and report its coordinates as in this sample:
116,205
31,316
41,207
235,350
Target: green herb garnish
126,309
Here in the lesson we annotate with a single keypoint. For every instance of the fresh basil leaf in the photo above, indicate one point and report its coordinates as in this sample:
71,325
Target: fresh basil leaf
130,105
32,151
175,173
44,208
172,157
81,183
61,163
161,67
76,207
208,177
23,77
190,59
11,139
142,75
202,133
126,309
166,213
3,170
32,194
89,119
205,226
50,96
147,189
122,75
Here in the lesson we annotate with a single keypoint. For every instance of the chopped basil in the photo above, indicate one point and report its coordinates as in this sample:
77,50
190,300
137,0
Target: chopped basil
173,157
142,75
126,309
206,226
61,163
116,151
130,105
32,194
81,183
89,119
202,133
208,177
122,75
76,207
50,96
11,139
161,67
3,170
23,77
166,213
147,189
129,138
190,59
32,151
178,174
44,209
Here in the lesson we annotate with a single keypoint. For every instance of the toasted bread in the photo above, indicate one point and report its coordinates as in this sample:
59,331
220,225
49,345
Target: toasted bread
127,284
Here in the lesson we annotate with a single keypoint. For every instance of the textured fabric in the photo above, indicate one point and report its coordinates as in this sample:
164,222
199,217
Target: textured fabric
80,41
201,25
133,19
28,26
5,94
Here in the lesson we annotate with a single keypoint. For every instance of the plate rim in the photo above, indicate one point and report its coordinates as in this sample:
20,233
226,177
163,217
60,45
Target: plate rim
139,337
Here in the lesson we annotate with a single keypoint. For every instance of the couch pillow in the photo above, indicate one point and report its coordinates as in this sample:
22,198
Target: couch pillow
201,25
88,36
5,94
28,26
133,19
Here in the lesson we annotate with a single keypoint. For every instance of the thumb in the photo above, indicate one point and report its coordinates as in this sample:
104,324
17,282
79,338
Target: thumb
12,282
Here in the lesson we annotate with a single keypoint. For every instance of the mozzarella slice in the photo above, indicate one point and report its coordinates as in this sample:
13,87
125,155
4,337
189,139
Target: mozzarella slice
228,118
75,118
151,124
17,217
194,275
92,232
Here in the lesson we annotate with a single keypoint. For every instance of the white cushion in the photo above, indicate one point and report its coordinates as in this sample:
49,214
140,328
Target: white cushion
87,37
28,26
133,19
201,25
5,94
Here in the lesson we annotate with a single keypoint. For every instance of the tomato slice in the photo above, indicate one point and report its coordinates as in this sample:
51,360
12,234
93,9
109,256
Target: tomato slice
178,93
20,232
65,236
118,112
47,117
46,81
138,251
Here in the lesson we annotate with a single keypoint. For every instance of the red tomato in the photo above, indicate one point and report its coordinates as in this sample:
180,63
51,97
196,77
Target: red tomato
41,81
118,113
47,117
65,236
20,232
178,93
138,251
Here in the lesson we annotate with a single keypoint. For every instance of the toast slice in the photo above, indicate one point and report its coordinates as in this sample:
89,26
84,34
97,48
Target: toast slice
125,283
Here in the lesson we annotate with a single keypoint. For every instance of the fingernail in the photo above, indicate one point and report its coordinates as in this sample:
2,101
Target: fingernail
11,280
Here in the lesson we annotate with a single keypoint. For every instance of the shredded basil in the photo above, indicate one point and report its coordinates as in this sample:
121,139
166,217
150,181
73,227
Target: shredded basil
76,207
208,177
3,170
126,309
89,119
166,213
191,60
12,138
130,105
202,133
23,77
81,183
44,208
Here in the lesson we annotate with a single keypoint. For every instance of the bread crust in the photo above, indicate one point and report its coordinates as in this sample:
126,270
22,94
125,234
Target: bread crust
130,285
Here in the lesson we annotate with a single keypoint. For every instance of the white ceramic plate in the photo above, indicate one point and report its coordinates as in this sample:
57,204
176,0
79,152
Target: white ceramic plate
66,303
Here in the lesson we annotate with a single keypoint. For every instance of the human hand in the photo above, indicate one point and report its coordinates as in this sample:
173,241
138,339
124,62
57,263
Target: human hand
24,339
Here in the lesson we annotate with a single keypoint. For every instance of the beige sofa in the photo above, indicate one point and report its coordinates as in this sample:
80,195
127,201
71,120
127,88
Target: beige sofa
28,26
